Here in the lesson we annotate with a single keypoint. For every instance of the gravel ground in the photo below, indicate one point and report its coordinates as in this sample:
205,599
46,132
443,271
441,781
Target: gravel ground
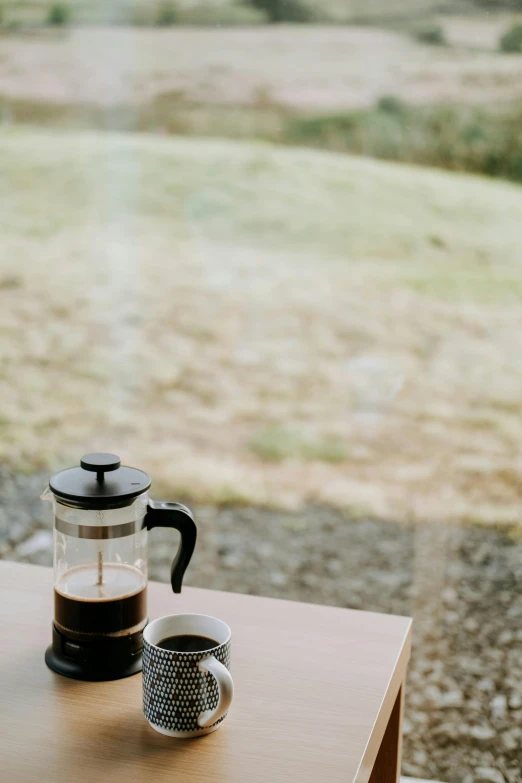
463,720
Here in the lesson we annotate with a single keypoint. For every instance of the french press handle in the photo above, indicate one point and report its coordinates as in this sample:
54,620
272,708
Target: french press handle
163,514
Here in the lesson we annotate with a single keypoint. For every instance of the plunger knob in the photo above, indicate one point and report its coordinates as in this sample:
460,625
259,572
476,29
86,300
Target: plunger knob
100,463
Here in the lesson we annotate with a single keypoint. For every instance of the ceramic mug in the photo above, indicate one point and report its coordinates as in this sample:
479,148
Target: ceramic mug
186,694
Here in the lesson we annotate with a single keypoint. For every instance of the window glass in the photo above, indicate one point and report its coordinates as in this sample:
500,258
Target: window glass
269,252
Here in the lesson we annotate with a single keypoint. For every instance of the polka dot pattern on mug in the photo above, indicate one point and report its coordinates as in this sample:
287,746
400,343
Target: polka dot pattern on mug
175,691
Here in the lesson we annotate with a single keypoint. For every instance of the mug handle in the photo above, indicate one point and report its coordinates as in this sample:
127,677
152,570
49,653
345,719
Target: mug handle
225,685
163,514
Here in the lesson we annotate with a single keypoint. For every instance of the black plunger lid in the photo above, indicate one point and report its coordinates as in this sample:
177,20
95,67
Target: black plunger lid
100,482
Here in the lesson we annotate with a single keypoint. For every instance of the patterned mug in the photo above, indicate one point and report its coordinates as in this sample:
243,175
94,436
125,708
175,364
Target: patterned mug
186,694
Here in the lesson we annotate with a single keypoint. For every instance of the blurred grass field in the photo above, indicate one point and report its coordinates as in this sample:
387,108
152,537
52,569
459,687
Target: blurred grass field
251,323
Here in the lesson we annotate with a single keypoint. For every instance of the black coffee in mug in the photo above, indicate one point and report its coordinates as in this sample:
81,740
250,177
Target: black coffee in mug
188,657
187,643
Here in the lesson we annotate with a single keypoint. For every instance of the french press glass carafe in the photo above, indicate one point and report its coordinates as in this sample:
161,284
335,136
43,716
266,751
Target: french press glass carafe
102,514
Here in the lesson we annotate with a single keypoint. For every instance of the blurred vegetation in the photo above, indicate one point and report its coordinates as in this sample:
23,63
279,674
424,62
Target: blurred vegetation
209,14
430,33
59,14
459,138
202,14
284,10
451,137
275,443
499,5
168,14
511,41
33,13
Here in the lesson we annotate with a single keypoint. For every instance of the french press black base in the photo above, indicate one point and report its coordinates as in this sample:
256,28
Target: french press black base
102,515
97,660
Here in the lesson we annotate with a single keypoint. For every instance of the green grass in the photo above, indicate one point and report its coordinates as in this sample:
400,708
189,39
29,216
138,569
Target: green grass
511,40
59,15
275,444
430,33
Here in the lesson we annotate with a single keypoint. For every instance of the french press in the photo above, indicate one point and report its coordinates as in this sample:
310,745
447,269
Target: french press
102,515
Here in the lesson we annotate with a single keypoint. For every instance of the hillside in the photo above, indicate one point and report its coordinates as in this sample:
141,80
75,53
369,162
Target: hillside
305,341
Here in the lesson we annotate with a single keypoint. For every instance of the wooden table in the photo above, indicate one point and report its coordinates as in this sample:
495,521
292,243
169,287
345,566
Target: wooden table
318,697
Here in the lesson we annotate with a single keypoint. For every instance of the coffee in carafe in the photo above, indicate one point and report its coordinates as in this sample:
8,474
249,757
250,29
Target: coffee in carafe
108,598
102,515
